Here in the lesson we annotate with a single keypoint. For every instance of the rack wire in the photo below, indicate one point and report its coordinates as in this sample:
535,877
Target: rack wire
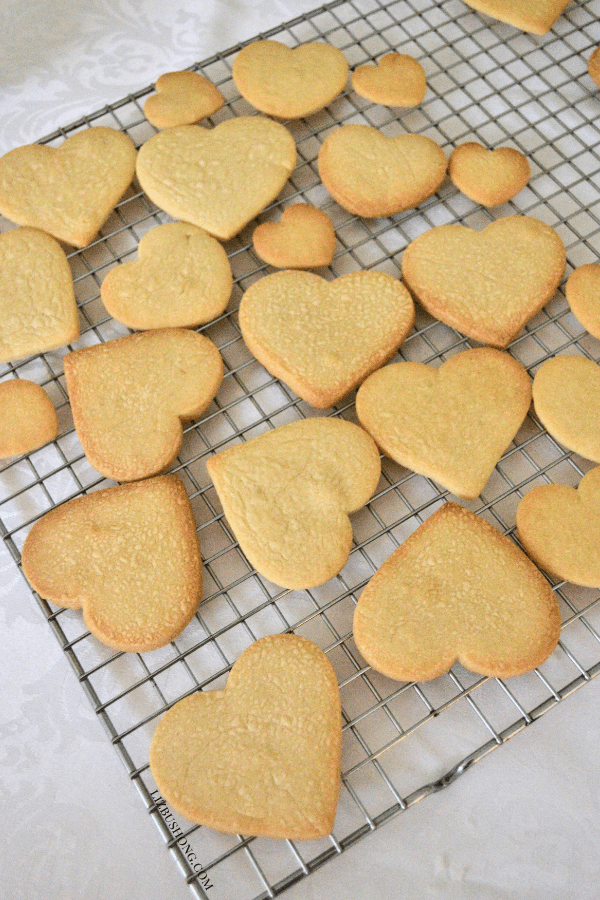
401,742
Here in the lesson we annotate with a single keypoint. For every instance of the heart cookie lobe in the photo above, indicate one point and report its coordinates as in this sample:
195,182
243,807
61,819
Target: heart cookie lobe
451,424
261,757
181,278
535,16
594,66
566,397
128,555
27,417
372,175
486,284
303,239
287,495
396,80
37,300
67,191
456,589
488,177
182,98
130,396
218,179
559,526
323,338
583,296
289,83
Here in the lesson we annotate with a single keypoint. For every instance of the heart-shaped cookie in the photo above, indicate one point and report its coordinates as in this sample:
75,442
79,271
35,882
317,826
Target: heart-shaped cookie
583,296
27,417
289,83
37,300
566,396
453,423
182,98
536,16
128,555
218,179
489,177
68,191
486,284
372,175
559,526
303,239
129,397
181,278
456,589
323,338
262,756
287,495
396,80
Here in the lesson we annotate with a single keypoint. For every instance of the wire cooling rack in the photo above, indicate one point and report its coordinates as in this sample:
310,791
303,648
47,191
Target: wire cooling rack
487,82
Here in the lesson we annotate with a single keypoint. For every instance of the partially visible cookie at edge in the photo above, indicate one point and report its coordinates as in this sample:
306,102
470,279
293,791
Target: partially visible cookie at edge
27,417
566,397
582,291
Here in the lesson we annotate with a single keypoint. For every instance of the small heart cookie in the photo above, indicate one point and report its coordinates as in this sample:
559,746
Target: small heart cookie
37,300
68,191
287,495
489,177
594,66
559,526
566,397
129,397
182,98
486,284
323,338
303,239
128,555
457,589
396,80
27,417
262,756
583,296
289,83
536,16
218,179
372,175
181,278
453,423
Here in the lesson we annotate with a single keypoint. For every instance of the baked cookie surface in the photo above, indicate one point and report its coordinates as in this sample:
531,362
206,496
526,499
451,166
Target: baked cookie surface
489,177
566,397
27,417
303,239
395,80
182,98
583,296
536,16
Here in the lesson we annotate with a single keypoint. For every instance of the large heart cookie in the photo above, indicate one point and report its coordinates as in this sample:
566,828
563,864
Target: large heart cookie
453,423
37,301
457,589
396,80
566,396
181,278
489,177
323,338
486,284
287,495
182,98
559,526
128,555
27,417
130,396
68,191
218,179
303,239
262,756
289,83
372,175
583,296
536,16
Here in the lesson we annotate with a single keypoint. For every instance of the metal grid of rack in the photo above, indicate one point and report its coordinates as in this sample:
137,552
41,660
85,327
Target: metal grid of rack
487,82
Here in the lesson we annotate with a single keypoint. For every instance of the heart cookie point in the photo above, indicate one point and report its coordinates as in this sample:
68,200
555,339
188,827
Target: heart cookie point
303,239
218,179
27,417
262,756
128,555
68,191
456,589
182,98
488,177
535,16
130,396
287,495
396,80
486,284
566,397
583,296
323,338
